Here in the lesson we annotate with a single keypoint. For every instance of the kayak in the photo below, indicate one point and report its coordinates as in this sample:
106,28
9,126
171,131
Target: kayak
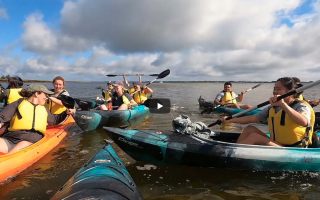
219,151
221,109
93,119
13,163
104,177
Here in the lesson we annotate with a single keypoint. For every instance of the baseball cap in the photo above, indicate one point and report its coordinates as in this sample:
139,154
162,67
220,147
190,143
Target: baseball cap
109,83
39,88
119,83
136,83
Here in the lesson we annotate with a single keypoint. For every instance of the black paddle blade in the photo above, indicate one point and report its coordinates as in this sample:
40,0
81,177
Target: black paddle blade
164,73
256,86
215,123
111,75
85,105
67,101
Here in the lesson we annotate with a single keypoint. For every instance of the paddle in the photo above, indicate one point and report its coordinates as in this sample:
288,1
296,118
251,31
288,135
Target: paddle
300,89
113,75
211,109
67,101
160,76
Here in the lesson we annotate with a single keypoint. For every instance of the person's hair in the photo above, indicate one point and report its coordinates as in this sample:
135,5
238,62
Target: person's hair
296,79
13,83
26,94
59,78
290,84
227,83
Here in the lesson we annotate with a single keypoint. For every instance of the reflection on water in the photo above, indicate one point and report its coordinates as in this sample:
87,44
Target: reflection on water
164,182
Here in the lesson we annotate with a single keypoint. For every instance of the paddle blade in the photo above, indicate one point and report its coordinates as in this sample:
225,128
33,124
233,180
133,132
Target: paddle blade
111,75
164,74
85,105
67,101
256,86
154,75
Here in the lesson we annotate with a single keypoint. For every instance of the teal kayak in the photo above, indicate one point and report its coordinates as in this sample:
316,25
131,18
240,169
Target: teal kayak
219,150
231,111
104,177
93,119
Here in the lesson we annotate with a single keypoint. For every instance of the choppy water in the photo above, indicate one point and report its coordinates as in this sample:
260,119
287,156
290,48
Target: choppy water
44,178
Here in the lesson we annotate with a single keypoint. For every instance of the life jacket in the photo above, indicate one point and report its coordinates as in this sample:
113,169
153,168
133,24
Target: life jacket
13,96
300,97
132,90
228,96
140,96
125,100
55,108
108,94
285,131
29,117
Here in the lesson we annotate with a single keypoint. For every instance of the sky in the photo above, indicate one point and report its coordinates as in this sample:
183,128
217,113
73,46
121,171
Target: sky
207,40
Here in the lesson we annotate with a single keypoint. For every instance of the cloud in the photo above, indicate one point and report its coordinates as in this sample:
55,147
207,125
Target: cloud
9,65
3,13
39,38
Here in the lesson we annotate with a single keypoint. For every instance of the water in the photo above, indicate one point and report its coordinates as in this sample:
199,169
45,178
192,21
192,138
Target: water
45,177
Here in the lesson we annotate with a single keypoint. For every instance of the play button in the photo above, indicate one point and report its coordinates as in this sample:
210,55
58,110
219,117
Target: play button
159,106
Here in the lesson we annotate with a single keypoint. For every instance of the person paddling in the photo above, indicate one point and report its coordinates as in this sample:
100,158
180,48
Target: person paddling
290,120
11,94
132,90
141,93
28,119
108,92
225,95
55,105
301,97
120,99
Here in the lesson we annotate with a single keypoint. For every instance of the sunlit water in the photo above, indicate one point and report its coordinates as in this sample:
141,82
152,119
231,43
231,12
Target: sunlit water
161,182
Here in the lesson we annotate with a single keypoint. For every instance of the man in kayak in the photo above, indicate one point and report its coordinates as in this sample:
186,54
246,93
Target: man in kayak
228,98
108,92
28,119
120,99
290,120
140,94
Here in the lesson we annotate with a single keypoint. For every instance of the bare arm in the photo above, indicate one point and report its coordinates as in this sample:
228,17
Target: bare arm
125,80
147,90
294,115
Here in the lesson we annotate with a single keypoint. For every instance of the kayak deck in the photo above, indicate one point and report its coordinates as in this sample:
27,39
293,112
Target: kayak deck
13,163
104,177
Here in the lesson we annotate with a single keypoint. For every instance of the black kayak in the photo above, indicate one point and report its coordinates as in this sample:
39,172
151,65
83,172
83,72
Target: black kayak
104,177
220,150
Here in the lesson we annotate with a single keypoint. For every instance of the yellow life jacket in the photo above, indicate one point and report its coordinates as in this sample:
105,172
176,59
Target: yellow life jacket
55,108
132,90
13,95
228,96
300,97
125,100
107,95
140,96
285,131
28,117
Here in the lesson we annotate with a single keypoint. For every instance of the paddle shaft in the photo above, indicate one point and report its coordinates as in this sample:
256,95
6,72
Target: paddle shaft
300,89
112,75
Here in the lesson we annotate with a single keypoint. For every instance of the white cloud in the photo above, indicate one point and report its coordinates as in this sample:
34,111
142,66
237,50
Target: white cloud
39,38
9,65
3,13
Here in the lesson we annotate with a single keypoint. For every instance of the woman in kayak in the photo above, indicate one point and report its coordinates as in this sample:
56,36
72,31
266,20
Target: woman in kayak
290,120
11,94
140,95
133,84
120,99
55,105
301,97
108,92
28,119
